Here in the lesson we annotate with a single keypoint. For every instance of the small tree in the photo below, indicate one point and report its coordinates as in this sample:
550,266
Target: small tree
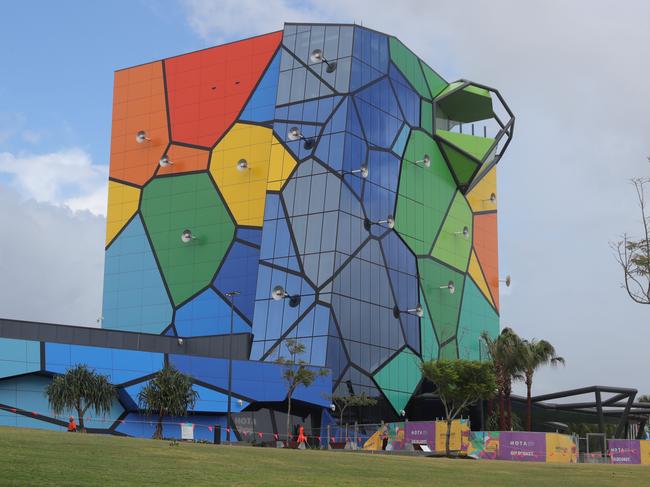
80,388
296,373
633,255
536,354
460,383
170,393
353,400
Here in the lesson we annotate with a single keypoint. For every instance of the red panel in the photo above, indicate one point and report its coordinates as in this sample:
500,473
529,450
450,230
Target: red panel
207,89
486,247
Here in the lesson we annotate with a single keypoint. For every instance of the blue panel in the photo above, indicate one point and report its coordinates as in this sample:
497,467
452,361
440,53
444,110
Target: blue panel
120,365
384,169
28,393
277,246
239,273
371,47
261,106
379,113
135,298
213,401
208,314
316,111
408,99
379,203
252,235
19,357
400,142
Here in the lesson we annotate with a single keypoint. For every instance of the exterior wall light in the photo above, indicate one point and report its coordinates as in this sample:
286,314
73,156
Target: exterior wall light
450,286
417,311
279,293
389,222
180,342
242,165
296,134
362,171
187,236
141,137
464,232
317,57
165,161
425,161
506,281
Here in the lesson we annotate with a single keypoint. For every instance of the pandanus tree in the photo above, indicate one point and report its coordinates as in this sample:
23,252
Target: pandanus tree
168,393
507,354
536,353
296,372
80,389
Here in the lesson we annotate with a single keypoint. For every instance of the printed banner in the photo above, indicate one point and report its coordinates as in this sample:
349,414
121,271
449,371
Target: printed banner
459,439
420,433
625,451
644,451
522,446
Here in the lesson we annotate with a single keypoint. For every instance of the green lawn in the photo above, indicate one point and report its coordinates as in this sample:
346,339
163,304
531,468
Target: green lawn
34,457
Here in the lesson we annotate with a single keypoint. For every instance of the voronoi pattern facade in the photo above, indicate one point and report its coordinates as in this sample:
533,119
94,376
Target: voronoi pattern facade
326,159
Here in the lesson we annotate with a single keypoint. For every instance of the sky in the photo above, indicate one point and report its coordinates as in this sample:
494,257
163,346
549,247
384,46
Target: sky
574,73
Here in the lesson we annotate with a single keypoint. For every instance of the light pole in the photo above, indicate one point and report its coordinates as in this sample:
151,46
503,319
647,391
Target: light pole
231,295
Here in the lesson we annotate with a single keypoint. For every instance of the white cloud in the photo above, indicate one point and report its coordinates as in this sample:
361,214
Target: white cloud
51,262
65,178
575,74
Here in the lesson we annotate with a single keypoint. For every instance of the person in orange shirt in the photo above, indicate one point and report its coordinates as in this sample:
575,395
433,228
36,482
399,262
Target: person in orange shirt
301,435
72,426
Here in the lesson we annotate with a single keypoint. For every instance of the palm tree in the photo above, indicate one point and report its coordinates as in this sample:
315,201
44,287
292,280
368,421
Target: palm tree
506,351
296,373
170,393
80,388
536,353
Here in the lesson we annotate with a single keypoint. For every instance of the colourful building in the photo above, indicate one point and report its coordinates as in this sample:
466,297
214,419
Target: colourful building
330,179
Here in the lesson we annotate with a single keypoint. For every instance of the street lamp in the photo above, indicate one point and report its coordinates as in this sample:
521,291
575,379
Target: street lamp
231,295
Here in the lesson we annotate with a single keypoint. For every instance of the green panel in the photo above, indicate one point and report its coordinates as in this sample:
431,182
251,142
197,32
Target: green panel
473,145
426,116
449,350
476,316
427,335
467,105
463,166
451,246
451,87
399,378
409,64
173,204
434,80
424,193
443,306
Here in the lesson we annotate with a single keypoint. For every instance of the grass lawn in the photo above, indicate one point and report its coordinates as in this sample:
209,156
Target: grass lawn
35,457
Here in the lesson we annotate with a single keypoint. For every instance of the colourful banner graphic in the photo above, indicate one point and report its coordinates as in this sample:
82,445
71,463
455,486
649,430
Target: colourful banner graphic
459,439
484,445
561,449
420,433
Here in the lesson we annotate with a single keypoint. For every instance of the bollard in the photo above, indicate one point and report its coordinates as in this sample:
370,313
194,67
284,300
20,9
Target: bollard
217,434
329,438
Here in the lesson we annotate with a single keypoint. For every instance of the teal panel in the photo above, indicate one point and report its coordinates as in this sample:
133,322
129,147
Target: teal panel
476,316
399,378
400,142
135,298
19,357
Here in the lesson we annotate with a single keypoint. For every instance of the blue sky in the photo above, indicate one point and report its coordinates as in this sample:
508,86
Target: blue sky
575,74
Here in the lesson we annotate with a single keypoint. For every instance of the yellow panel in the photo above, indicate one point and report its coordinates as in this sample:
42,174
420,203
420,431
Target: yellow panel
269,165
477,275
458,439
644,446
123,202
479,196
560,449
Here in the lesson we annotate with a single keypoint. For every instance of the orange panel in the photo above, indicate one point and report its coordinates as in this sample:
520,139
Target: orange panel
185,159
485,245
207,89
138,104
